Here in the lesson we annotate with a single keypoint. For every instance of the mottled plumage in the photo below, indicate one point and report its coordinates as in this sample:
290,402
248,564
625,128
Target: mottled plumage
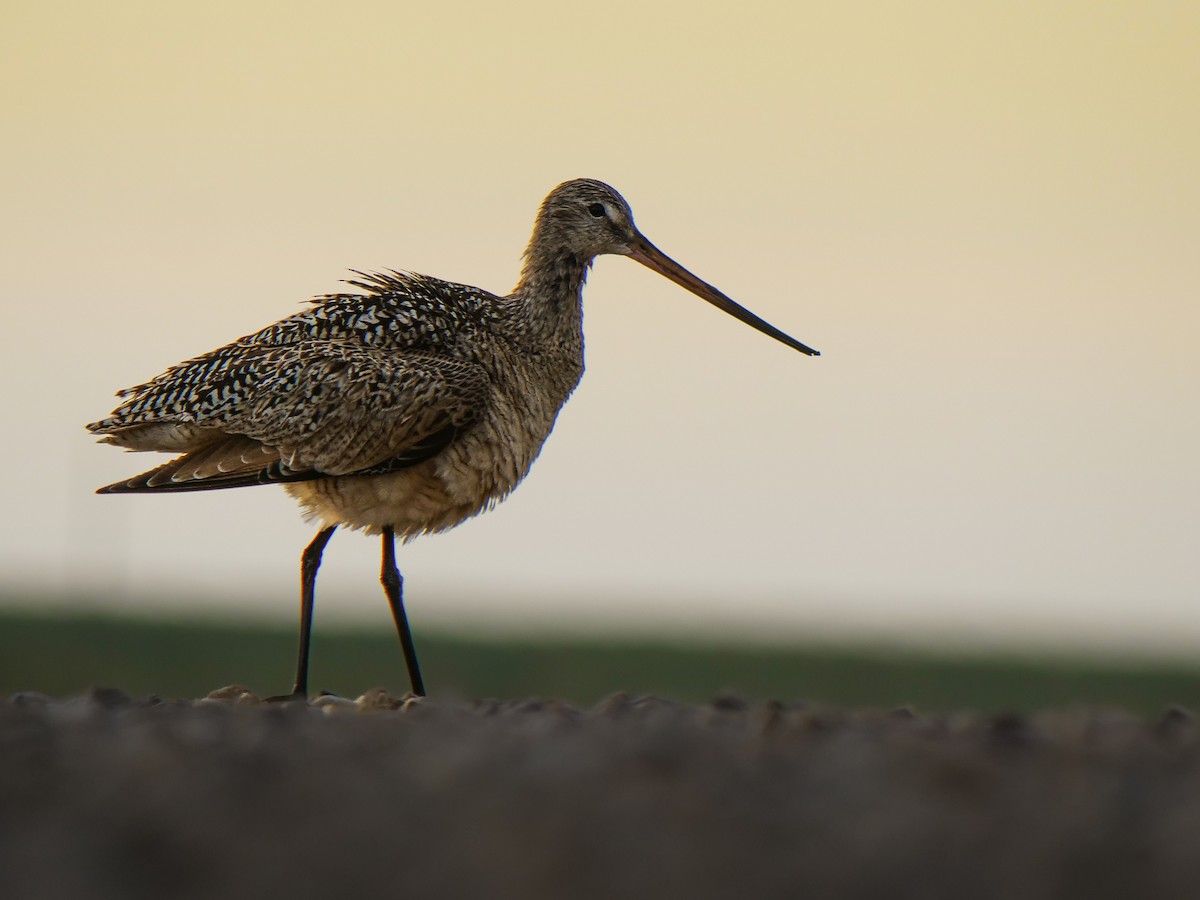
402,408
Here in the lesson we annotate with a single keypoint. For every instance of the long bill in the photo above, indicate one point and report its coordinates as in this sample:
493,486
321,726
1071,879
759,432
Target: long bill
650,256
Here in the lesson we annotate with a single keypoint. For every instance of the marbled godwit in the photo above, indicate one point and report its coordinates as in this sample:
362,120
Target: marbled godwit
400,410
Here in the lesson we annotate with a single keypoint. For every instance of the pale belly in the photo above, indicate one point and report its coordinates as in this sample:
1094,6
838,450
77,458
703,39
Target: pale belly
413,501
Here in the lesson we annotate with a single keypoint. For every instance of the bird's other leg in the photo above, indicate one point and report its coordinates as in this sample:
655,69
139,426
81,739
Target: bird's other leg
393,586
310,561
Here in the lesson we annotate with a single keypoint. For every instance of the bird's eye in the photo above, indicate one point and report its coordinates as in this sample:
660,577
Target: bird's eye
597,210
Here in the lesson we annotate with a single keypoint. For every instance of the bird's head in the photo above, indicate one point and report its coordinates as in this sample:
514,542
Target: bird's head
588,218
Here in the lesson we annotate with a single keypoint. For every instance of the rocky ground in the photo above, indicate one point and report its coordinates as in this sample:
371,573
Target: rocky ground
106,796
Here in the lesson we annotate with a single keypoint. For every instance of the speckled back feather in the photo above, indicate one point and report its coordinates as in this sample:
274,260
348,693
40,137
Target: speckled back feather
359,383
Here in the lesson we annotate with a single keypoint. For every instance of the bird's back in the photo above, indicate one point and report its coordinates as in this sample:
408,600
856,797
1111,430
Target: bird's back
354,382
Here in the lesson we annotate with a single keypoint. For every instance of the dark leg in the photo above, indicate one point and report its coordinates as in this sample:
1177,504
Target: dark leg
310,561
393,586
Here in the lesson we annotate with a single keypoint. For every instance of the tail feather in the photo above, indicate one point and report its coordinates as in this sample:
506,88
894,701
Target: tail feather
239,461
158,480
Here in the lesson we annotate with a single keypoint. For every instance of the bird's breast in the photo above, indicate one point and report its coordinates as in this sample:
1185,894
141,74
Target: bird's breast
479,468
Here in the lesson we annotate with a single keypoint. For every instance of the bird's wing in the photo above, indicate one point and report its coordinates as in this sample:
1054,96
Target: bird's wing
252,414
398,311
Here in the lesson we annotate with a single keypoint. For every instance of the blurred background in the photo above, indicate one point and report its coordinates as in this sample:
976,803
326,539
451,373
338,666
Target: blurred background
986,216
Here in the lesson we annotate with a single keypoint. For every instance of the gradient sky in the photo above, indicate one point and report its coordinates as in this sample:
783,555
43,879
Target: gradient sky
986,216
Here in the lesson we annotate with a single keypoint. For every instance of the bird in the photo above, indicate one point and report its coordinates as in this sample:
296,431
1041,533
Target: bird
400,407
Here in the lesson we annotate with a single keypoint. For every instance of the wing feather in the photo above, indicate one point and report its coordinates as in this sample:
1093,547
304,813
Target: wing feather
297,412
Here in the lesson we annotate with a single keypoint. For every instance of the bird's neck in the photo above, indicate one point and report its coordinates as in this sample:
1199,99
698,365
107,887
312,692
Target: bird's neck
552,271
550,293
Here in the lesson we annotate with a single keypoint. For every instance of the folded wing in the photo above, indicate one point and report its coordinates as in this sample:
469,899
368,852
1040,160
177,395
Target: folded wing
254,414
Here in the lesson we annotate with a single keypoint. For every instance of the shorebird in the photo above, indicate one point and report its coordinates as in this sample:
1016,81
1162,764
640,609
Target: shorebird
402,408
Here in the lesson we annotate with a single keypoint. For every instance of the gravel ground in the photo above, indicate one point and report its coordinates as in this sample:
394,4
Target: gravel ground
111,797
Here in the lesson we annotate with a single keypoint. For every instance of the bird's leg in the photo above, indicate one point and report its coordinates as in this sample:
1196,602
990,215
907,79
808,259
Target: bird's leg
310,561
393,586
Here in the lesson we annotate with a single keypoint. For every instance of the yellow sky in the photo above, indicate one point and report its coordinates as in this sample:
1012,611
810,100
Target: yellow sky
985,215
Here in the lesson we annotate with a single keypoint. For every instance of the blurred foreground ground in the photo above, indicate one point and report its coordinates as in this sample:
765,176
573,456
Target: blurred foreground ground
771,772
104,796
